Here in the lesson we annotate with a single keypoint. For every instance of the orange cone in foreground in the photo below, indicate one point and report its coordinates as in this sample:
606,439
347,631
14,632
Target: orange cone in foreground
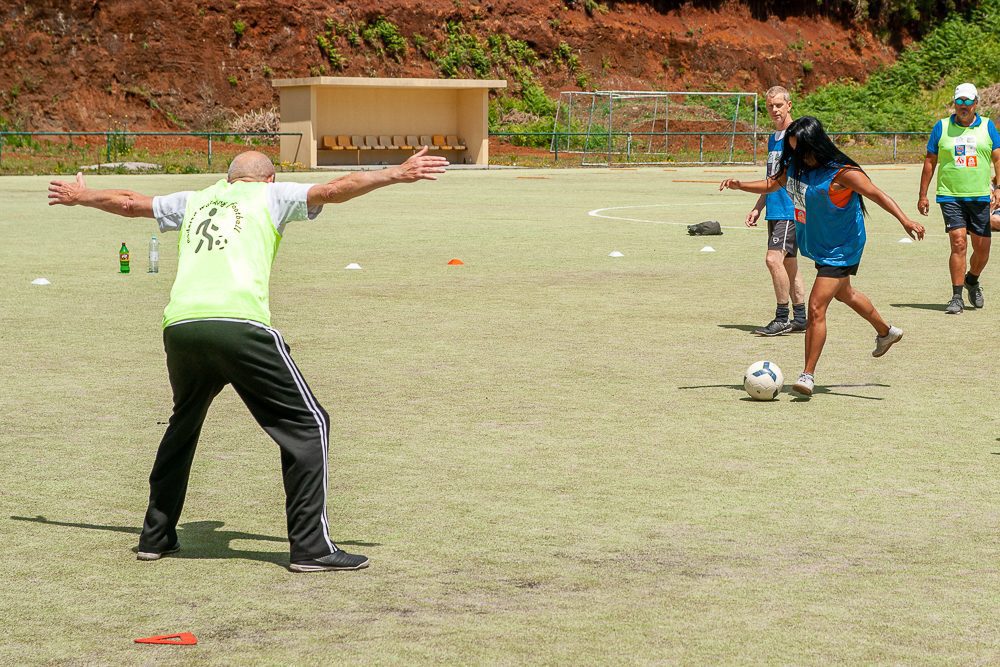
180,639
455,262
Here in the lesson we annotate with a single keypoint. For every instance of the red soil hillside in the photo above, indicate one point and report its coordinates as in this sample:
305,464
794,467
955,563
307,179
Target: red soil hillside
158,64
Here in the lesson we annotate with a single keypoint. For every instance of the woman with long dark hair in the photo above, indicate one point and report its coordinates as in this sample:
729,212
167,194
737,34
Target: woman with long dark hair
827,188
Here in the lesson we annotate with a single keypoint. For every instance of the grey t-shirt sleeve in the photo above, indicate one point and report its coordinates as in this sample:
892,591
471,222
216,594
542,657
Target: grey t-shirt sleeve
168,210
289,202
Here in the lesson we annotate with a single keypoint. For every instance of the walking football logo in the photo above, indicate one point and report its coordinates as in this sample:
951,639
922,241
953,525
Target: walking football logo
213,225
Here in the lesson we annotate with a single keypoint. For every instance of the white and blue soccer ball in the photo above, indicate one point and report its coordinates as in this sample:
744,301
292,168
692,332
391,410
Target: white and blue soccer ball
763,380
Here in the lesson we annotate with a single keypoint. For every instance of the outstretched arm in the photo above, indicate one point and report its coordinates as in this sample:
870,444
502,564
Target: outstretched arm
418,167
763,187
857,180
120,202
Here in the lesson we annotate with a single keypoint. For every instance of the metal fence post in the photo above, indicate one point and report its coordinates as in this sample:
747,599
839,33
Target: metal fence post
1,149
107,146
209,149
701,148
894,147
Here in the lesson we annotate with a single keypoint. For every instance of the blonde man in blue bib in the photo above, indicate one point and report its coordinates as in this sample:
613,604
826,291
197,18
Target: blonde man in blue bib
217,332
962,147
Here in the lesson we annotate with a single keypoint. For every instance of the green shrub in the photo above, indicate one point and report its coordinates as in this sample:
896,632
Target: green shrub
327,46
383,35
463,50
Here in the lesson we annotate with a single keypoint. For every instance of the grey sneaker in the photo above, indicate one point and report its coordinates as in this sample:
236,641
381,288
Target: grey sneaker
883,343
975,294
338,560
798,327
156,555
955,306
804,385
774,328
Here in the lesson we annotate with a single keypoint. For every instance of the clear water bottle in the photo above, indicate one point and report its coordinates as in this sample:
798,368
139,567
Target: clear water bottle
154,255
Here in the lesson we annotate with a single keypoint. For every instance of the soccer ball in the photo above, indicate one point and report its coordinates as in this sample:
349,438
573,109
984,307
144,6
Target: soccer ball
763,380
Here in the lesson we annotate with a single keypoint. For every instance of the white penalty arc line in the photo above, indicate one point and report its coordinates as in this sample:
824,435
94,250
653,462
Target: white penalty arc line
599,213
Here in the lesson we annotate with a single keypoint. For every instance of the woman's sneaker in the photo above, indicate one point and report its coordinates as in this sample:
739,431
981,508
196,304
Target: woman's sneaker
804,385
338,560
883,343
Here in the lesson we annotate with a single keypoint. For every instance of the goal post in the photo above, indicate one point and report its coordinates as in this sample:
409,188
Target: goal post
629,127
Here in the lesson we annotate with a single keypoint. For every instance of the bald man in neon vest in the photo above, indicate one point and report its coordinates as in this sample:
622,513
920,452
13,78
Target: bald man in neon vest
966,145
217,331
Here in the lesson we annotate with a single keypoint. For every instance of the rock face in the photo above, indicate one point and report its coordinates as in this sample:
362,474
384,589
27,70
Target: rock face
194,64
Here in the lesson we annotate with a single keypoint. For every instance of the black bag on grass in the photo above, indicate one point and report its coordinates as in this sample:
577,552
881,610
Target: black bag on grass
707,228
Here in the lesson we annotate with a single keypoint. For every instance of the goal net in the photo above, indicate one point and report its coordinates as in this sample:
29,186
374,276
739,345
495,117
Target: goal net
627,127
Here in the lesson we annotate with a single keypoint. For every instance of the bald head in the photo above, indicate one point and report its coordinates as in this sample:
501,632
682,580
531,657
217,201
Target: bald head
251,166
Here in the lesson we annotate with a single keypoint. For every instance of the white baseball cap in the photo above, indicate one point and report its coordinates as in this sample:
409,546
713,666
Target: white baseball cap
966,90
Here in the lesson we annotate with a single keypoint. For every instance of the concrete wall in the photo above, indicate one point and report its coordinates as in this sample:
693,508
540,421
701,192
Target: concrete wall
298,108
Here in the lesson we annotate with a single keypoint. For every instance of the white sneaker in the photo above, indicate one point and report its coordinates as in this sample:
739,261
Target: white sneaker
883,343
804,385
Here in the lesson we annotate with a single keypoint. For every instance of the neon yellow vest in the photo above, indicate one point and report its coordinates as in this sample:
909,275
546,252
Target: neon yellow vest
224,254
964,160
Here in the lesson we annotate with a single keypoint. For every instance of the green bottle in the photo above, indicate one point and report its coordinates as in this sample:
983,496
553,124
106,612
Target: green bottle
123,259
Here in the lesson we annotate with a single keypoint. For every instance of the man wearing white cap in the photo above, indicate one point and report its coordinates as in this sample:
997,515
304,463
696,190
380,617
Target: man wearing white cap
967,145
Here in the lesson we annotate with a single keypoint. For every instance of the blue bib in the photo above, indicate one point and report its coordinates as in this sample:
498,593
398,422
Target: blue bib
826,234
778,203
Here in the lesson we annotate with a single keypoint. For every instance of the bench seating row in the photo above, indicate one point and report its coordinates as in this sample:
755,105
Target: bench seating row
343,142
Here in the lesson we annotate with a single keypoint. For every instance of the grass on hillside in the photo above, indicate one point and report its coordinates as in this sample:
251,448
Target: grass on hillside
546,452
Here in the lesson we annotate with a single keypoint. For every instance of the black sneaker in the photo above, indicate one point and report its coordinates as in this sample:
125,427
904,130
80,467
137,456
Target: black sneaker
156,555
774,328
338,560
975,295
955,306
798,327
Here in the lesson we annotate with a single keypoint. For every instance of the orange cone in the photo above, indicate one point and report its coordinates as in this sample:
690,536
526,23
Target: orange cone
180,639
455,262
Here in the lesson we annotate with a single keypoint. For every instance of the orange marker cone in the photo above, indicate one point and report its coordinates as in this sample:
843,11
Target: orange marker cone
455,262
180,639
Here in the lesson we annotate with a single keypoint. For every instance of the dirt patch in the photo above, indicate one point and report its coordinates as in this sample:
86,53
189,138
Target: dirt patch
196,64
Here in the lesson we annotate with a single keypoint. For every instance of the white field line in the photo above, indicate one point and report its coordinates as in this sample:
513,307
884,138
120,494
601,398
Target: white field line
762,224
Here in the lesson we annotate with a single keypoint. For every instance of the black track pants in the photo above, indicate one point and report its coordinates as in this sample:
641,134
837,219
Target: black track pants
203,356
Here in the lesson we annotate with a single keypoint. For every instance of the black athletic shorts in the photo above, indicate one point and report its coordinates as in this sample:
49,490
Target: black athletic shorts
972,215
828,271
781,236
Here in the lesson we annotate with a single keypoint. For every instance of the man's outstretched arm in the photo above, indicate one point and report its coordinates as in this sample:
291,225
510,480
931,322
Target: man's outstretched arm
418,167
120,202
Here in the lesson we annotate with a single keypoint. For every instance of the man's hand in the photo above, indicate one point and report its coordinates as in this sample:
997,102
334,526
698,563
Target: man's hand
420,166
752,216
914,229
67,194
923,205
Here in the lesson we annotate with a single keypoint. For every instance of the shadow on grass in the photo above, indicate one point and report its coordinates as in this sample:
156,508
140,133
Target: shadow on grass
921,306
741,327
200,539
798,398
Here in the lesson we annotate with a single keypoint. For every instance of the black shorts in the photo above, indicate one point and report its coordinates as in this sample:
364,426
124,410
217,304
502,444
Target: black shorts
973,216
781,236
828,271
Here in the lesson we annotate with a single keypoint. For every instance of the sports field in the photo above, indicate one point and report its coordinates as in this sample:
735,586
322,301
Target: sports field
547,452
